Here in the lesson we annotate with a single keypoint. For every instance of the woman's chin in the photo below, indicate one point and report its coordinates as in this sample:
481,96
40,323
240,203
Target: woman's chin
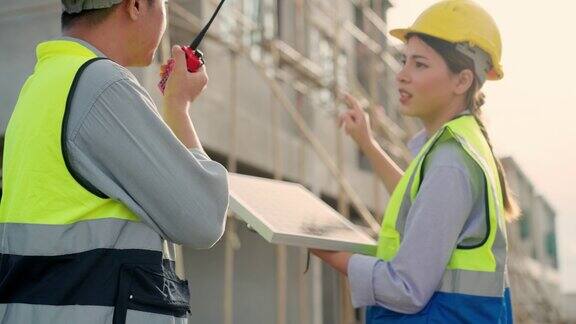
407,111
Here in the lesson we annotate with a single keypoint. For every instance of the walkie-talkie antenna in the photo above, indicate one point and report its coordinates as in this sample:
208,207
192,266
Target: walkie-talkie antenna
194,57
200,36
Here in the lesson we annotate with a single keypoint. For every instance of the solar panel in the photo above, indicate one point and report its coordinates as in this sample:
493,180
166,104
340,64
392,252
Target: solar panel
289,214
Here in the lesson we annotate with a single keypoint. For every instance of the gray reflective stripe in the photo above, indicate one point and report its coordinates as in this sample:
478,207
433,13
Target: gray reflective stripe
480,160
137,317
506,278
46,314
48,240
477,283
500,249
40,314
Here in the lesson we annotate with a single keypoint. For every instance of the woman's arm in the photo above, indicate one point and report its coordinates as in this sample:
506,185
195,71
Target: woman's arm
435,221
337,260
356,124
386,169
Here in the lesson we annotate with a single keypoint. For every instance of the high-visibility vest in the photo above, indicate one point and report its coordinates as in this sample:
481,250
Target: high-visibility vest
473,287
70,254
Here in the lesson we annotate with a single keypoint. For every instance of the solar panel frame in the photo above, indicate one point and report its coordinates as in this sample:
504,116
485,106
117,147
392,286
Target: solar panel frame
247,208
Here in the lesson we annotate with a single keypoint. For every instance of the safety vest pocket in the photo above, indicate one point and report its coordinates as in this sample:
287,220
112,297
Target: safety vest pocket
150,288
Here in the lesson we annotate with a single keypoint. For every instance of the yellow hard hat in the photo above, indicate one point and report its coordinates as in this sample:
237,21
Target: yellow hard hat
460,21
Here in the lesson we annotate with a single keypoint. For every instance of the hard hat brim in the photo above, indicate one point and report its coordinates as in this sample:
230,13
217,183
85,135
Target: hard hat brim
400,33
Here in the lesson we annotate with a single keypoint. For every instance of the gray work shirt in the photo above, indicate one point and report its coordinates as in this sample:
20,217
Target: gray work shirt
117,141
448,210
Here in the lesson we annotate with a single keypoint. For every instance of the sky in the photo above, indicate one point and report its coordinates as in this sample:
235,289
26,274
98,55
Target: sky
531,113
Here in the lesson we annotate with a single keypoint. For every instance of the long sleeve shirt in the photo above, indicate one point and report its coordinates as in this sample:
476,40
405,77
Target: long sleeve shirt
448,210
119,145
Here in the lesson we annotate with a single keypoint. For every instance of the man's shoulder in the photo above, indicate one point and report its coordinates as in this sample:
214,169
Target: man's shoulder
103,86
104,72
106,81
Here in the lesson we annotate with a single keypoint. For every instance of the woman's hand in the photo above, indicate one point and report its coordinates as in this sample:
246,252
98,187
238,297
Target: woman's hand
338,260
356,122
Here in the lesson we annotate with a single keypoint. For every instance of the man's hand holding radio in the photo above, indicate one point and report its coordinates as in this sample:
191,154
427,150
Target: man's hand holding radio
183,87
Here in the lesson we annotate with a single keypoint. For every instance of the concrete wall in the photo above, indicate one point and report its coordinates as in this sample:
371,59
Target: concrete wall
255,283
36,20
538,294
255,262
569,308
25,23
537,216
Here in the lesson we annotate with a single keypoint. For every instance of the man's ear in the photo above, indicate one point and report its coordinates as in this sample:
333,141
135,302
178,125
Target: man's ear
464,81
133,8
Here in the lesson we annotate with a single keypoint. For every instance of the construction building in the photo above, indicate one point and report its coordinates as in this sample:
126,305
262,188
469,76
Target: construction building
276,67
533,249
568,309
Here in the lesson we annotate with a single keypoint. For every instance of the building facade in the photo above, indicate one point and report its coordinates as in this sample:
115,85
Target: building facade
309,50
533,262
275,69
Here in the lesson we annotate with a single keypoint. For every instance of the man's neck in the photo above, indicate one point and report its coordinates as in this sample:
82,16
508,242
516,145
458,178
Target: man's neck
109,43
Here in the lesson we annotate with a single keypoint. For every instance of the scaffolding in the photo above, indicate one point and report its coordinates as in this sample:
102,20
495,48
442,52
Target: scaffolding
532,299
253,30
328,47
311,61
292,65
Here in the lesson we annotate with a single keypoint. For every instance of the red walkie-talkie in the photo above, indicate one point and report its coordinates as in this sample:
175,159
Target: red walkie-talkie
194,58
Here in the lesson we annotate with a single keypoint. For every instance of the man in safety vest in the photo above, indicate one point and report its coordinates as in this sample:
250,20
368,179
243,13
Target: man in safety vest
95,179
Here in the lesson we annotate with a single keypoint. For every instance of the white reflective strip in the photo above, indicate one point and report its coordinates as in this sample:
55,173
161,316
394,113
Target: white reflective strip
486,168
477,283
138,317
48,314
109,233
499,248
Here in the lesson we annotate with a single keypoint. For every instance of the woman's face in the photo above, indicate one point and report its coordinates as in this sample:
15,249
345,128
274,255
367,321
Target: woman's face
425,83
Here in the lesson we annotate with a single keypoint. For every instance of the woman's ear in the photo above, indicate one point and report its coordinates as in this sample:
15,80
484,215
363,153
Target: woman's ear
464,81
133,8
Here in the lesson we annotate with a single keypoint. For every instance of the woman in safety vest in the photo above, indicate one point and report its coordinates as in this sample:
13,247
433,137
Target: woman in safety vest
442,247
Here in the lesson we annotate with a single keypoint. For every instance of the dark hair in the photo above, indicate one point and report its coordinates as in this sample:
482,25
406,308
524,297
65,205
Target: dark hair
93,17
458,62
